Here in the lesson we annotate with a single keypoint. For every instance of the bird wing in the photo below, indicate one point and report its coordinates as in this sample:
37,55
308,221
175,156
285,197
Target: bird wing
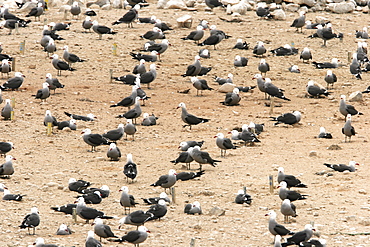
96,139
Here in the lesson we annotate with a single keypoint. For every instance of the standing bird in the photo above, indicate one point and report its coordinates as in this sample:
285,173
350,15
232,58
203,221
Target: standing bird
288,209
100,30
113,152
291,180
102,230
200,84
91,241
188,118
315,90
184,157
60,65
263,11
300,237
260,83
126,200
6,112
133,113
140,68
300,21
348,130
341,167
273,90
330,78
53,82
93,140
69,57
130,129
263,67
88,213
195,35
75,10
288,118
201,157
43,93
166,181
7,168
87,23
259,49
31,220
223,143
36,11
50,47
275,228
306,54
232,98
5,67
355,67
240,61
159,47
135,237
129,17
149,76
130,168
193,69
116,134
13,83
346,109
50,119
292,195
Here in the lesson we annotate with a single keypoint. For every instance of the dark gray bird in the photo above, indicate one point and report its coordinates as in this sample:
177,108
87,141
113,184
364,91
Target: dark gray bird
355,67
288,209
87,213
288,118
7,168
91,241
67,209
291,180
260,83
193,69
53,82
129,17
223,143
148,58
40,242
158,210
100,30
300,237
43,93
135,237
204,53
324,134
136,218
77,185
5,67
241,45
259,49
327,65
89,117
348,130
263,11
232,98
162,25
6,111
184,146
285,50
60,65
149,120
36,12
341,167
11,197
70,57
214,3
130,129
275,228
240,61
140,68
87,23
113,152
5,147
315,90
127,201
193,208
195,35
133,113
75,10
63,230
147,77
129,100
31,220
50,48
184,157
14,83
330,78
92,197
263,67
243,198
60,26
93,140
153,34
102,230
130,168
294,69
154,200
300,21
184,176
246,135
116,134
292,195
166,181
201,157
305,54
50,119
104,191
273,90
346,109
200,84
188,118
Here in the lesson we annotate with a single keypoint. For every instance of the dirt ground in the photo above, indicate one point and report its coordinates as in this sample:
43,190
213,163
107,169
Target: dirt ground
337,204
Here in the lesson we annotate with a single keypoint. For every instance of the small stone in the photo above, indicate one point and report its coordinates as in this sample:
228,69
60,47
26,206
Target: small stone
217,211
355,96
334,147
362,191
313,154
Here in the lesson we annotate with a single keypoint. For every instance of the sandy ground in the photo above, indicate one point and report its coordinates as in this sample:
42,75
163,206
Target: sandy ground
337,204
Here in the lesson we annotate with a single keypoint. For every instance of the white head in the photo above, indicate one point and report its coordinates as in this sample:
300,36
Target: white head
267,80
145,115
129,158
239,41
152,66
322,130
240,192
9,158
260,43
143,229
45,85
90,115
163,195
90,234
88,18
353,163
128,121
343,97
193,79
197,57
219,135
39,241
48,113
349,117
98,221
213,27
231,76
287,46
263,61
306,49
172,172
105,187
112,146
75,4
311,83
55,56
283,185
137,7
34,210
7,101
245,127
237,58
181,105
335,60
124,189
280,170
236,91
251,125
272,214
329,72
72,180
86,132
196,204
257,76
162,202
200,27
63,227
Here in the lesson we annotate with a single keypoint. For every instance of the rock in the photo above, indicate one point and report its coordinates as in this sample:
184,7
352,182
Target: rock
292,7
227,88
28,6
279,14
101,3
362,191
321,19
309,3
189,3
365,9
341,8
355,96
161,4
217,211
64,8
313,154
365,222
334,147
231,2
106,6
175,4
185,21
240,8
117,4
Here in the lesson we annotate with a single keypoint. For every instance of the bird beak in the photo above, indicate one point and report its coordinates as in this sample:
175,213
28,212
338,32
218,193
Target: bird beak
229,132
266,214
148,231
119,190
178,107
14,158
215,137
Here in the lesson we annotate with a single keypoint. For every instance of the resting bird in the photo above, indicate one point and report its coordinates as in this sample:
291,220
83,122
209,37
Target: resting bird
232,99
243,198
184,176
135,237
292,195
100,30
315,90
324,134
341,167
291,180
300,237
288,118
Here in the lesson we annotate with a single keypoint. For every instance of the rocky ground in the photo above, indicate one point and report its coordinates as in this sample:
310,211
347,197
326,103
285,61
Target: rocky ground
337,205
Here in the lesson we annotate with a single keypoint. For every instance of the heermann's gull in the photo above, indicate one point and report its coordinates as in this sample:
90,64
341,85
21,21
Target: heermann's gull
183,157
277,241
140,68
184,176
10,24
288,209
306,54
102,230
159,47
14,83
63,230
87,213
273,90
89,117
263,11
222,81
50,47
246,135
104,191
195,35
135,237
5,147
326,33
6,112
166,181
7,168
149,20
188,118
287,118
185,145
87,23
127,201
341,167
93,140
291,180
129,100
71,124
136,218
130,129
154,200
149,120
214,3
355,67
263,67
53,82
294,69
243,198
99,29
292,195
90,12
327,65
275,228
330,78
130,168
60,65
314,243
11,197
200,84
70,57
116,134
91,241
126,79
193,208
113,152
153,34
92,198
193,69
31,220
232,99
60,26
241,45
346,109
5,67
315,90
223,143
148,58
162,25
362,34
43,93
158,210
201,157
36,11
240,61
259,49
260,83
324,134
67,209
299,237
149,76
348,130
50,119
40,242
214,31
300,21
285,50
213,39
204,53
75,10
129,17
77,185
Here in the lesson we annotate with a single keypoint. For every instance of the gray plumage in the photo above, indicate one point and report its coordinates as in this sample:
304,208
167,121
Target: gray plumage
294,69
259,49
91,241
224,144
315,90
149,120
184,157
346,109
202,157
136,218
273,90
306,54
275,228
140,68
113,152
71,124
60,65
130,129
232,98
93,140
149,76
355,67
133,113
195,35
53,82
240,61
260,83
292,195
50,119
63,230
100,29
75,10
200,84
204,53
222,81
70,57
188,118
129,100
88,213
127,201
7,168
135,237
87,23
36,11
50,48
300,237
348,130
330,78
300,21
6,110
288,209
116,134
31,220
158,210
263,67
5,67
184,146
43,93
13,83
166,181
130,168
193,208
193,69
102,230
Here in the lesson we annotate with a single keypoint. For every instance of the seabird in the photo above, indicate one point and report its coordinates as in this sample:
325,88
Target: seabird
259,49
275,228
102,230
201,157
99,29
232,98
116,134
6,112
69,57
5,147
188,118
263,67
40,242
50,47
285,50
89,117
241,45
130,129
240,61
150,20
31,220
243,198
60,26
129,17
355,67
246,135
127,201
153,34
75,10
93,140
292,195
126,79
184,157
130,168
11,197
129,100
60,65
162,25
288,118
149,120
193,208
294,69
214,3
291,180
77,185
104,191
92,197
91,241
67,209
87,23
87,213
148,58
330,78
200,84
223,143
136,218
288,209
260,83
222,81
184,176
154,200
195,35
324,134
166,181
299,237
346,109
300,21
277,241
36,11
159,47
113,153
273,90
184,146
306,54
7,168
5,67
327,65
140,68
341,167
43,93
315,90
204,53
147,77
213,39
50,119
135,237
53,82
263,11
193,69
158,210
348,130
63,230
14,83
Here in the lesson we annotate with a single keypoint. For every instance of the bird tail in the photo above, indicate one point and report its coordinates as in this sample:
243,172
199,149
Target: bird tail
204,120
107,217
201,44
155,185
198,174
68,114
112,32
284,98
71,69
120,116
174,161
358,76
116,23
301,185
113,105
